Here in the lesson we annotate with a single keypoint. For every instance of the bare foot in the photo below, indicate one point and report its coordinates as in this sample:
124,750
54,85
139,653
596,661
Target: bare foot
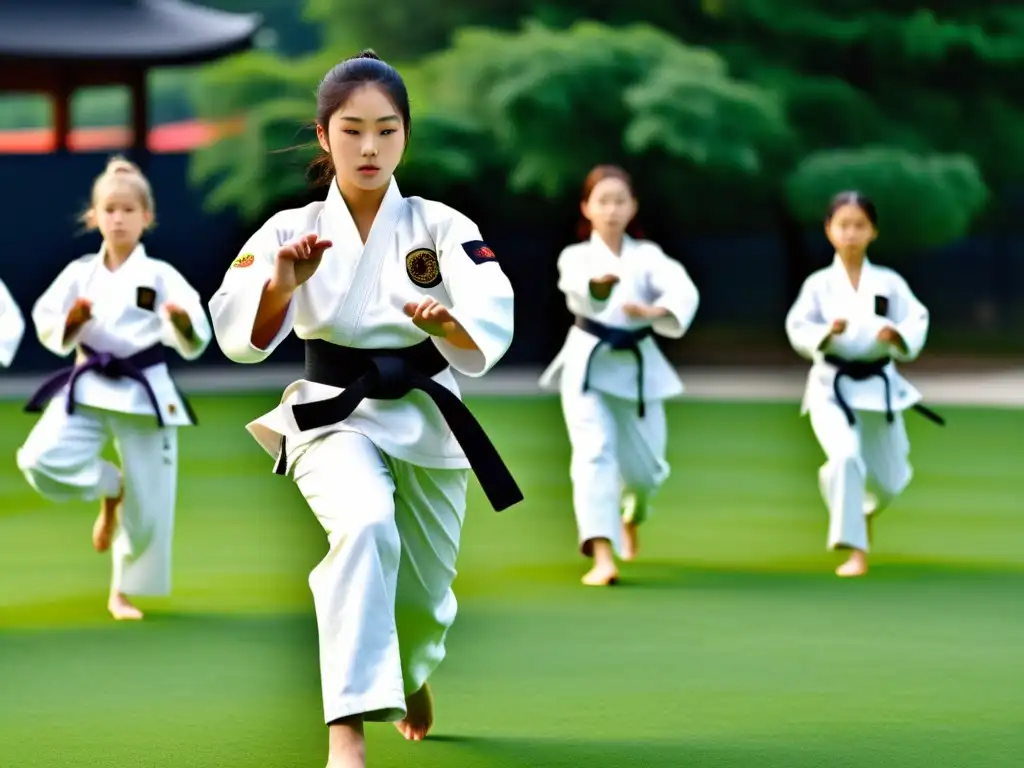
106,522
121,609
630,540
601,575
856,565
419,715
603,572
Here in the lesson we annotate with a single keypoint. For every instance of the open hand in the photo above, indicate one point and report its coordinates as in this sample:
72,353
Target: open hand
889,335
642,311
432,317
298,260
80,312
179,319
601,287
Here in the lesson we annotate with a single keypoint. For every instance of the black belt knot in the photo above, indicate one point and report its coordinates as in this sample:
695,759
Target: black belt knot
861,370
391,377
108,366
619,340
391,374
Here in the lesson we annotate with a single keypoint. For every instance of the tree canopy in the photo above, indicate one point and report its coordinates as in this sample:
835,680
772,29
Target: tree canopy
717,106
926,200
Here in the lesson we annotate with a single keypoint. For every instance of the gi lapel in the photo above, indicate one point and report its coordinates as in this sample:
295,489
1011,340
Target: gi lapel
874,289
369,258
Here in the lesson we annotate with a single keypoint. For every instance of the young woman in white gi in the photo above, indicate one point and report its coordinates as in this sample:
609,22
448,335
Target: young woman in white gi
12,327
389,293
853,319
613,378
117,310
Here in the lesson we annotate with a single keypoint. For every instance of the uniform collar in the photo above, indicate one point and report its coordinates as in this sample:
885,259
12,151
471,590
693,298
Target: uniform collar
597,240
340,227
137,255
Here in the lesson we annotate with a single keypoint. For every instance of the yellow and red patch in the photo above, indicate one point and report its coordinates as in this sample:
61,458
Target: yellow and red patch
245,260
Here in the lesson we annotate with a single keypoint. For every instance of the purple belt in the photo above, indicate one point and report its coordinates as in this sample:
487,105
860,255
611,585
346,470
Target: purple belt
108,366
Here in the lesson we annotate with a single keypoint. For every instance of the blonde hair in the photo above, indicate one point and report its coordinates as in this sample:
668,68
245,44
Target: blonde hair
122,171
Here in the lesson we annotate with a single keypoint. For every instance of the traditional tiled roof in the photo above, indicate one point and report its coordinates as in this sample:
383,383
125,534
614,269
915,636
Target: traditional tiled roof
155,32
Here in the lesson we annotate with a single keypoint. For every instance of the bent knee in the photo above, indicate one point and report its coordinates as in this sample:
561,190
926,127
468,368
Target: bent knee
846,461
892,485
593,456
645,480
49,460
371,530
44,471
35,462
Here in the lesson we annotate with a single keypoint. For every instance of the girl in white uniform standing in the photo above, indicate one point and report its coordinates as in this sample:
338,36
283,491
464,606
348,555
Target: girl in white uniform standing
12,327
390,294
853,319
613,378
117,310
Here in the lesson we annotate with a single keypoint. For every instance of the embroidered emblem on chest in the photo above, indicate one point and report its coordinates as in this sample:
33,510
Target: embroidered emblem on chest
423,268
245,260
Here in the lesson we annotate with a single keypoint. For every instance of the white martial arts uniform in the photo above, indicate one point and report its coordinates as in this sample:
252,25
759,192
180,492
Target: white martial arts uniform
872,450
614,449
388,484
12,327
61,456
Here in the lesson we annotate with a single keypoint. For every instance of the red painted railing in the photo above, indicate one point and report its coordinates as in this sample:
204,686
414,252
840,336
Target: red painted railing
171,137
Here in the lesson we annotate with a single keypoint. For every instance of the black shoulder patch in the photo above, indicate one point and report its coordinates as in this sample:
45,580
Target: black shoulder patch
882,306
478,251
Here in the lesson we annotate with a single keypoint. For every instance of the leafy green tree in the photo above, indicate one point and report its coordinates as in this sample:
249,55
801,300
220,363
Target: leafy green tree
709,127
944,78
539,105
262,163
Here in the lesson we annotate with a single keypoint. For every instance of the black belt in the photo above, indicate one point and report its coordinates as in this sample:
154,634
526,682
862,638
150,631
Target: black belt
391,374
620,340
110,367
861,370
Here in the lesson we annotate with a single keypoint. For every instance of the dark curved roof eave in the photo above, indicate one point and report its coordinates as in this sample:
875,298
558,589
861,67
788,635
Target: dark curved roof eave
153,32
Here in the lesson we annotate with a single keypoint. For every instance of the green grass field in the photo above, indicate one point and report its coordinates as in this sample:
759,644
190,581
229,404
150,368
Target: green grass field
729,644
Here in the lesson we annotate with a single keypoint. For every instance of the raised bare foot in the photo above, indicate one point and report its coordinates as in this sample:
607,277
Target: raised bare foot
419,715
601,575
106,522
856,565
121,609
630,540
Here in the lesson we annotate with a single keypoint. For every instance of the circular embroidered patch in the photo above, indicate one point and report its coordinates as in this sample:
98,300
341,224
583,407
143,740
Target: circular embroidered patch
245,260
422,267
